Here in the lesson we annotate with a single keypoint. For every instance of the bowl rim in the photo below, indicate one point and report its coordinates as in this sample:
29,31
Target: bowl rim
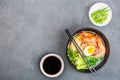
106,42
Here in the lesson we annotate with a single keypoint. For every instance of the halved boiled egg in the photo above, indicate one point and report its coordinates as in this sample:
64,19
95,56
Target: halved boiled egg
89,50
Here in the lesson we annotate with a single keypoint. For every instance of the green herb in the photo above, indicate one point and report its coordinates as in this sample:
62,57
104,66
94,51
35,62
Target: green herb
100,15
92,60
101,58
77,61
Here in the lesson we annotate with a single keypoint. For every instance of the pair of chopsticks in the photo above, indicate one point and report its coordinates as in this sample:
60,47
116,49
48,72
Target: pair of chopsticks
87,62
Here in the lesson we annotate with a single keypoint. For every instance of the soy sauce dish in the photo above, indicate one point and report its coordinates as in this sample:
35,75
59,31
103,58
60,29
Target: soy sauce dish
94,45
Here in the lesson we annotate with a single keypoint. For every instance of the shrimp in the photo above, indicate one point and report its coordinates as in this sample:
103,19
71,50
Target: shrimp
89,38
85,39
100,50
94,40
87,34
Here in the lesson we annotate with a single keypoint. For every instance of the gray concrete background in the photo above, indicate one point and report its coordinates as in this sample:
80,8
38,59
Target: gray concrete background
30,28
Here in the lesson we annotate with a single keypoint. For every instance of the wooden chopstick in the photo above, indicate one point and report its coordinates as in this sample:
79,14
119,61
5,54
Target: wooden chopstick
92,70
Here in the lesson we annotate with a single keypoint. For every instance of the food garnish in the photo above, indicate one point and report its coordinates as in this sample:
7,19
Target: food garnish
99,16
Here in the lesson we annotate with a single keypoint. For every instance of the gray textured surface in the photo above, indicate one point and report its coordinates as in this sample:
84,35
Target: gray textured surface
30,28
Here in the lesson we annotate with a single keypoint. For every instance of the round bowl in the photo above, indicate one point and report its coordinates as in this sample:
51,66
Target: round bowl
97,6
106,44
43,60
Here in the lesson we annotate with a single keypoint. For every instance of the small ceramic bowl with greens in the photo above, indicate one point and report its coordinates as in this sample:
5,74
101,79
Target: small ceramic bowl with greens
94,45
100,14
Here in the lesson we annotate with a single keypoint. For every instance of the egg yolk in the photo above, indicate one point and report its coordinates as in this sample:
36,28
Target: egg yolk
91,50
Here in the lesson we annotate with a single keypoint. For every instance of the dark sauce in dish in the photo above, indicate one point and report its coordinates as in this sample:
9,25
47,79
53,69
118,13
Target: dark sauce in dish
52,65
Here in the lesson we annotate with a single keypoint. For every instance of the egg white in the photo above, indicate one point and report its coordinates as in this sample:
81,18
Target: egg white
86,51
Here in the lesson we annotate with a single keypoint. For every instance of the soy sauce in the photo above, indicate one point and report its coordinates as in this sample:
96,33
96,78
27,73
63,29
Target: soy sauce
52,65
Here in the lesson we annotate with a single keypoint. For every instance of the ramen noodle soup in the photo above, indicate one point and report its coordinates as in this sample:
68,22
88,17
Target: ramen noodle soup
92,46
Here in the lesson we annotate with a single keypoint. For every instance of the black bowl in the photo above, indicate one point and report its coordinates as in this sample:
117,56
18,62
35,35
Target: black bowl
106,46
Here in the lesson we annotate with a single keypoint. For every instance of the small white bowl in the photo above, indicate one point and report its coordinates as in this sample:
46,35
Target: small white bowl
96,6
49,75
